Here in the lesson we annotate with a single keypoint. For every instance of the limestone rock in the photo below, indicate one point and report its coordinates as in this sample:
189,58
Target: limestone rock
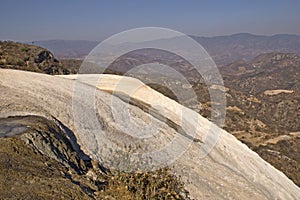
229,171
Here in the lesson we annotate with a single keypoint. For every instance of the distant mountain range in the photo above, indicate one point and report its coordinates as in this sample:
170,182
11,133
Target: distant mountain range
67,48
223,49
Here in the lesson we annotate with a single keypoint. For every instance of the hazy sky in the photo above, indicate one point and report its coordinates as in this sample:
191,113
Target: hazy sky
27,20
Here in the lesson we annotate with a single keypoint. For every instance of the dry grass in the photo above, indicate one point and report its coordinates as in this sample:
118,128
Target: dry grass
158,184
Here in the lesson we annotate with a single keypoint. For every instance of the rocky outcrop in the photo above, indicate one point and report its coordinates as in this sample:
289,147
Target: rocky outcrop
229,171
42,155
26,57
36,155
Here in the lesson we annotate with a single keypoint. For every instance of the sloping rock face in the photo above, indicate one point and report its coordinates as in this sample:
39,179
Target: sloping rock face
229,171
43,156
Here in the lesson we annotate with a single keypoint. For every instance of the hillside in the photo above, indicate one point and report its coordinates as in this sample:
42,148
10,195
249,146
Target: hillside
271,71
262,99
20,56
230,171
269,89
42,155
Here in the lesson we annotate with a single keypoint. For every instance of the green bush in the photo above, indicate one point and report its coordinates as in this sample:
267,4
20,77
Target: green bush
25,49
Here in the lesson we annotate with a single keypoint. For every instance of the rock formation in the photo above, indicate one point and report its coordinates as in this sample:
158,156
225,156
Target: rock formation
15,55
229,171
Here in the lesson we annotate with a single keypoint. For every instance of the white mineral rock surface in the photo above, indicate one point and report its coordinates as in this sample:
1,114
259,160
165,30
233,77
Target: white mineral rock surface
230,170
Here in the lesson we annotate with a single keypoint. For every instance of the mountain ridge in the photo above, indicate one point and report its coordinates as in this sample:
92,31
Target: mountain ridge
223,49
